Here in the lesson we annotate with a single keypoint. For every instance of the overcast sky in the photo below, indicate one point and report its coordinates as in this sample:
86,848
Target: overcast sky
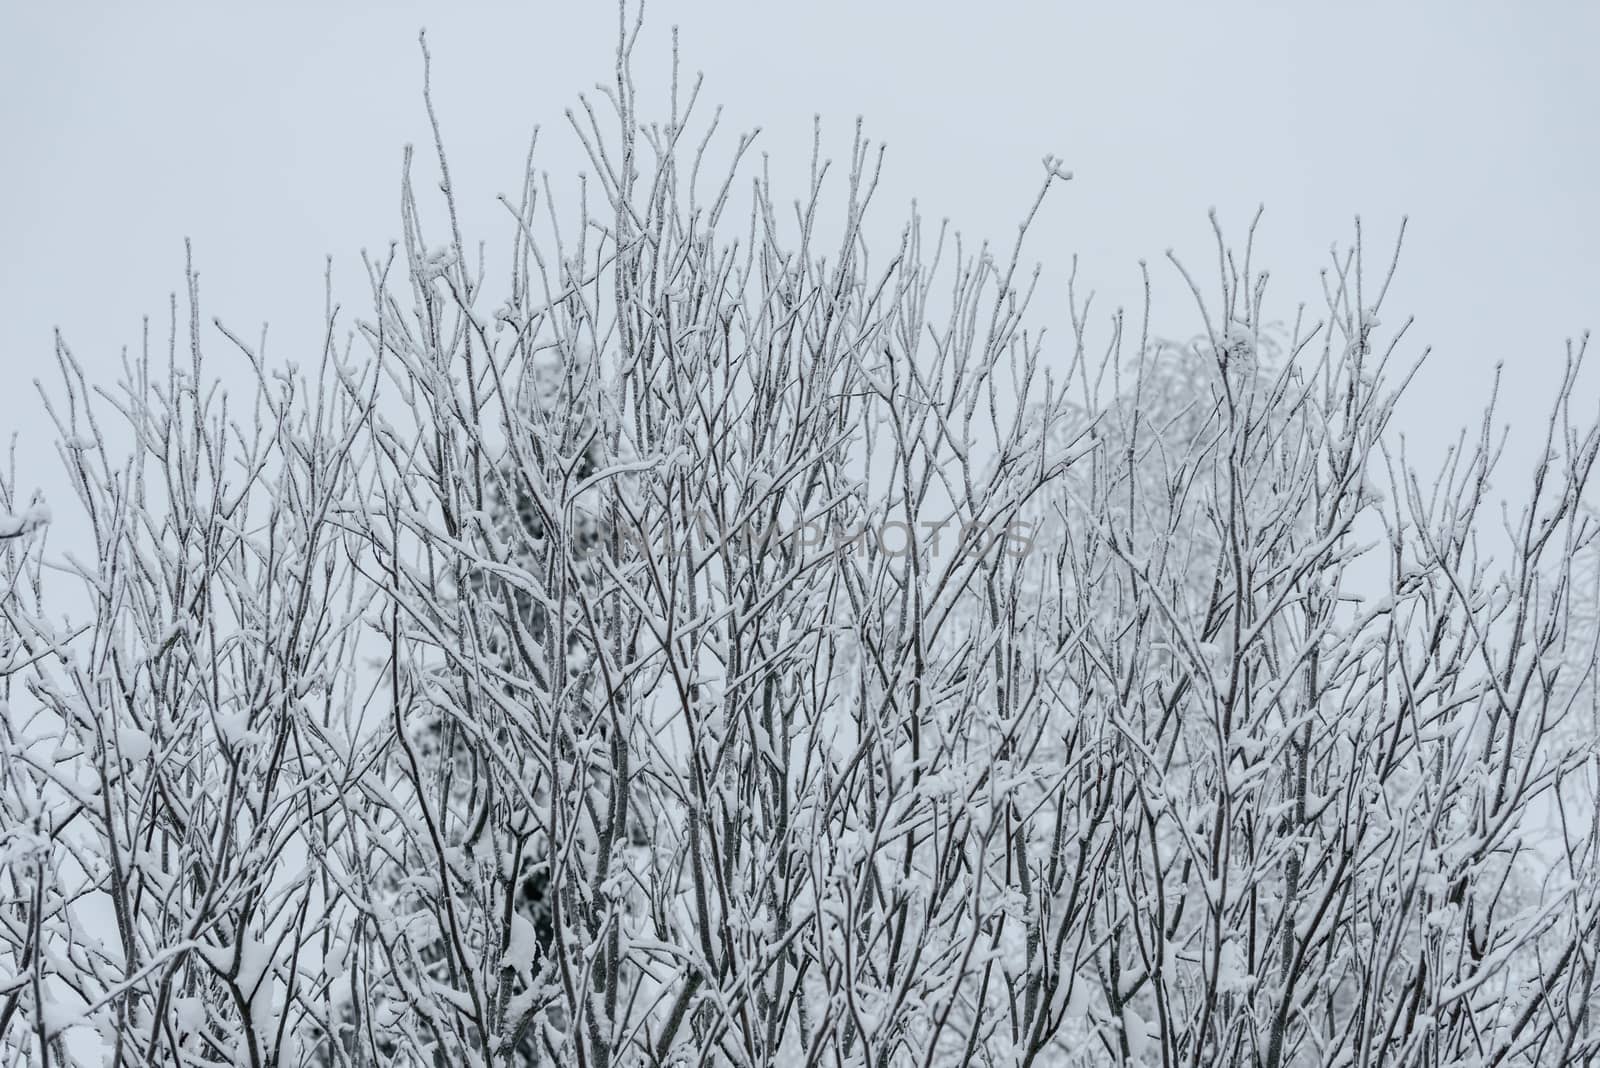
272,135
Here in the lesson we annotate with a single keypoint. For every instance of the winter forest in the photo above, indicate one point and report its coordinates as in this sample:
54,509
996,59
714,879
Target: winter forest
684,629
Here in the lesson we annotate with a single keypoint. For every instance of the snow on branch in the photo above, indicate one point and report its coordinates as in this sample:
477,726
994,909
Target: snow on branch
736,651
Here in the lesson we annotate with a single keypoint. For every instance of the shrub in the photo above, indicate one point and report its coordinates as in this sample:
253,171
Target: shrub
923,698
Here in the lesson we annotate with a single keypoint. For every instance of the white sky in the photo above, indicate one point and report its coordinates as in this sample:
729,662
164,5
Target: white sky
272,134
